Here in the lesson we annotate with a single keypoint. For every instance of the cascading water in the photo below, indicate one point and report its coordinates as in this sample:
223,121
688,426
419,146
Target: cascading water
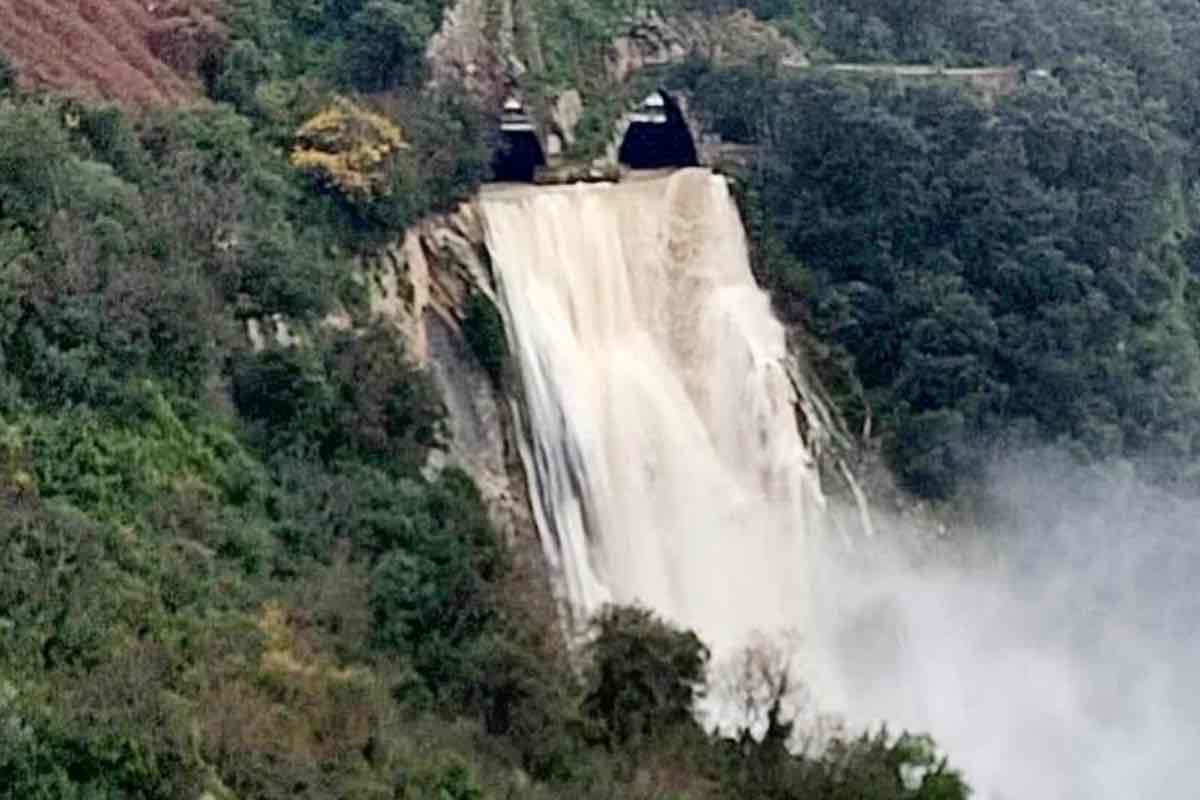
665,451
667,469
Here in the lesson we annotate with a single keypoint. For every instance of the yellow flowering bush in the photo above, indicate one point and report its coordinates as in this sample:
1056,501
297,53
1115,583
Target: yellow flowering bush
345,147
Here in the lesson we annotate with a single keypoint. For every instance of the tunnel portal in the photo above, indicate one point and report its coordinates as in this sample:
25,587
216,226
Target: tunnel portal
518,153
657,136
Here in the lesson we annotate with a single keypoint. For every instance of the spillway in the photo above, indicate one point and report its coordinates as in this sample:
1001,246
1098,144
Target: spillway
663,445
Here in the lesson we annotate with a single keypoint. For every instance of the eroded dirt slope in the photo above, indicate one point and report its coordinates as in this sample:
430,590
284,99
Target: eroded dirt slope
134,51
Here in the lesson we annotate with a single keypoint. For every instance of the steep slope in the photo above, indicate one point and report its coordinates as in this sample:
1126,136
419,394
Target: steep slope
131,51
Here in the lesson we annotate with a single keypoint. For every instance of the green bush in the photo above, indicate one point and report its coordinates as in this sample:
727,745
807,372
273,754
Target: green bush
388,409
449,155
112,139
285,393
433,588
349,396
115,471
242,68
34,153
644,676
483,328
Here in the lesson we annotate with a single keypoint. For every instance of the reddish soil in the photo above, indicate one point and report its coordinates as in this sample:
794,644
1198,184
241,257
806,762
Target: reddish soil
138,52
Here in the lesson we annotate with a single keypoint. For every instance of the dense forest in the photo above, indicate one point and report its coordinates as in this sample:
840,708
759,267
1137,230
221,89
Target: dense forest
988,275
222,572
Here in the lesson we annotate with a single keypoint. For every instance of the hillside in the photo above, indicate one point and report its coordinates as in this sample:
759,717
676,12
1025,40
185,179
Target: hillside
132,51
251,358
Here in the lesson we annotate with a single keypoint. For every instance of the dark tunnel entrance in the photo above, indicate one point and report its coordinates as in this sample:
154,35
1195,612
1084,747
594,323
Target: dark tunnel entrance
518,152
658,136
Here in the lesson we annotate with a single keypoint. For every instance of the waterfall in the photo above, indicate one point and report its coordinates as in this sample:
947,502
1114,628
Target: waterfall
666,468
664,449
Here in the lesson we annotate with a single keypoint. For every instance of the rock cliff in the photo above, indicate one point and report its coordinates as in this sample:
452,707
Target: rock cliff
421,286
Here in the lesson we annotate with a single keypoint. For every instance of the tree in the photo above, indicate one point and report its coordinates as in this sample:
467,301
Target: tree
242,69
386,42
483,328
34,152
345,147
644,675
433,588
760,681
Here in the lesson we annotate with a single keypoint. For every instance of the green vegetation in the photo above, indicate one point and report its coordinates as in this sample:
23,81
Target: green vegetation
371,45
223,568
225,574
989,277
290,63
646,676
1145,35
483,328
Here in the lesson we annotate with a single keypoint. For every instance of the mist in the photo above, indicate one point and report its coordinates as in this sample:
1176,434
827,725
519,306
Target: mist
1052,653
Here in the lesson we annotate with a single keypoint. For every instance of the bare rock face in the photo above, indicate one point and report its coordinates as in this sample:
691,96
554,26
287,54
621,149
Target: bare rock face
738,37
421,286
461,54
650,42
477,48
565,116
485,46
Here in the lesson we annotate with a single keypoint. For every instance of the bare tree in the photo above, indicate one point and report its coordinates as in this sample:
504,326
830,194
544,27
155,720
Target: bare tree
773,707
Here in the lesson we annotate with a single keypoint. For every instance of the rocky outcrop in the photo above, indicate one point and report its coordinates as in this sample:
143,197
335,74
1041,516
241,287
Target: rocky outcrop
421,285
565,115
825,433
484,47
463,54
738,37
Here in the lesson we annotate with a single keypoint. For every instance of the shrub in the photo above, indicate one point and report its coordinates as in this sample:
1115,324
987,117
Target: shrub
345,147
644,675
433,588
112,140
388,410
286,395
241,70
450,154
115,471
483,328
34,151
348,396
